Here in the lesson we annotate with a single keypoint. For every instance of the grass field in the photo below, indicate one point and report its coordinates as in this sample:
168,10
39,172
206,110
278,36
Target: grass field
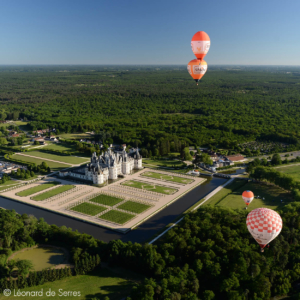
272,197
106,200
42,258
59,146
37,189
163,163
149,187
237,183
60,158
76,136
116,216
167,177
89,208
53,192
134,207
54,166
291,170
8,184
95,285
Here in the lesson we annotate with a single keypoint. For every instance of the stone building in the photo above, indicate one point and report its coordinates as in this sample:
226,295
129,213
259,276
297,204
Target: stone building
107,166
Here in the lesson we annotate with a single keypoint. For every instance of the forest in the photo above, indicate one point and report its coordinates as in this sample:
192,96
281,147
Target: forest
150,106
209,255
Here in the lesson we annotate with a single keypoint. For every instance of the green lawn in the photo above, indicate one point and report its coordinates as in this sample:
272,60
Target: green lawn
54,166
59,146
134,207
272,197
96,284
37,189
167,177
89,208
163,163
116,216
42,257
106,200
149,187
76,136
61,158
291,170
53,192
237,183
8,184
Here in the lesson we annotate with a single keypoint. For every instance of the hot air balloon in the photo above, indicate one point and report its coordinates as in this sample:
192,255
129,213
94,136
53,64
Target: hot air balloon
197,69
264,224
248,196
200,44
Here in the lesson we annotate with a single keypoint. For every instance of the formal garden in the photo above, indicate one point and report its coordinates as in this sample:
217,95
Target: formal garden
116,216
106,200
88,208
166,177
36,189
53,192
150,187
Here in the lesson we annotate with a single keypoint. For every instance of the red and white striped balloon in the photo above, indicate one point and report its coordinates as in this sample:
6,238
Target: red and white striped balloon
264,224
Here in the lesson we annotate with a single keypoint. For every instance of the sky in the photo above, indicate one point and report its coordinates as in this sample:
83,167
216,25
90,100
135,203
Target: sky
137,32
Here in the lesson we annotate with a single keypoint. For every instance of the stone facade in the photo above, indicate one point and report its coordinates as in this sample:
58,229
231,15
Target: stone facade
107,166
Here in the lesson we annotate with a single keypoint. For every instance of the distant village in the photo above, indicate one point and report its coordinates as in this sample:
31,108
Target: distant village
220,160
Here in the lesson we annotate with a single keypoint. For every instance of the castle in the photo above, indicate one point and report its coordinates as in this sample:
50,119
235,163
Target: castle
107,166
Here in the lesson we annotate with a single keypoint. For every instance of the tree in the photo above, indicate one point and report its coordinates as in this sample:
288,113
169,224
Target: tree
276,159
208,295
24,266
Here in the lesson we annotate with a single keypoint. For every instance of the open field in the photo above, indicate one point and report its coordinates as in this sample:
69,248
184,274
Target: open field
134,207
291,170
228,189
167,177
42,257
54,166
272,196
8,184
59,146
149,187
53,192
163,163
89,208
60,158
37,189
106,200
76,136
116,216
97,284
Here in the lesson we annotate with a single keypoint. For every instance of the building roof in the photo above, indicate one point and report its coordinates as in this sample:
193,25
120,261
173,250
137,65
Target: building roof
236,157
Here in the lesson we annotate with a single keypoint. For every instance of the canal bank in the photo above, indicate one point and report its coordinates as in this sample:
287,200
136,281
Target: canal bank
141,234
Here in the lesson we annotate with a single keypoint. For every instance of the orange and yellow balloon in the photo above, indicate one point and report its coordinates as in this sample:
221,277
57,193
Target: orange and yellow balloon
200,44
197,69
248,196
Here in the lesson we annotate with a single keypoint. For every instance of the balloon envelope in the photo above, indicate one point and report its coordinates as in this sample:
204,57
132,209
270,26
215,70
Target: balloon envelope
197,69
200,44
248,196
264,224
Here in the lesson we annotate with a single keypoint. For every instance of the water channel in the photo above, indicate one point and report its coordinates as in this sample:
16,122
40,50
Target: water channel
141,234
